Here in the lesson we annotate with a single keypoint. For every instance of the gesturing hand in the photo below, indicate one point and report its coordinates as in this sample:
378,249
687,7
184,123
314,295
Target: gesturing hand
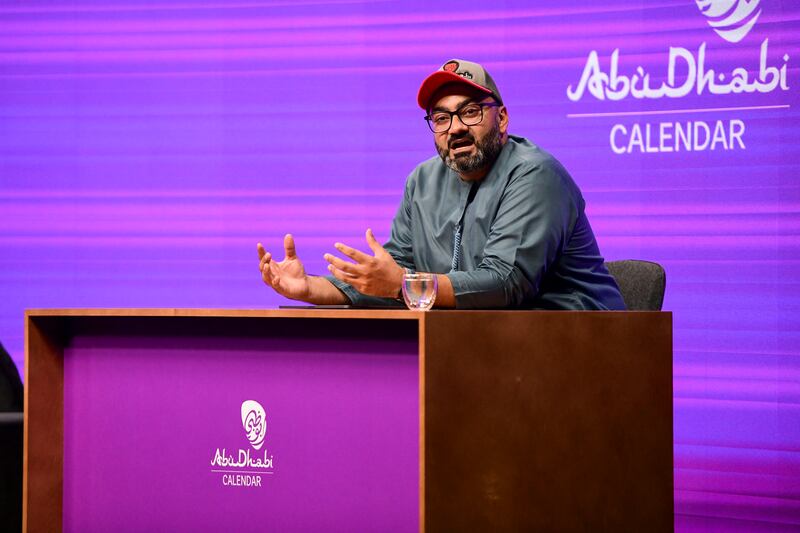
374,275
287,277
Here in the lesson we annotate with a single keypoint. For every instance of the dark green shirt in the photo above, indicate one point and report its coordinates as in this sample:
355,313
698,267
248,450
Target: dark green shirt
525,243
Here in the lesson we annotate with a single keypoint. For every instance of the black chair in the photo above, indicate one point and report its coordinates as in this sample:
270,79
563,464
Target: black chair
11,425
642,283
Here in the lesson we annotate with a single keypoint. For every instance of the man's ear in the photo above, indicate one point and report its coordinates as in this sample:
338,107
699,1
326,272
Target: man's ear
502,119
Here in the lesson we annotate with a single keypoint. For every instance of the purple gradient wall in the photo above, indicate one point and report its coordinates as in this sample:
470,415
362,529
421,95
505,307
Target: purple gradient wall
145,149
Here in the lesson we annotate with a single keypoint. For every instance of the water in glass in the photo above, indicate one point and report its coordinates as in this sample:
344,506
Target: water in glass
419,290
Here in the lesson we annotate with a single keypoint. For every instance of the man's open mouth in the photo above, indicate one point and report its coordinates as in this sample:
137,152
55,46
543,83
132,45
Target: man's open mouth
461,145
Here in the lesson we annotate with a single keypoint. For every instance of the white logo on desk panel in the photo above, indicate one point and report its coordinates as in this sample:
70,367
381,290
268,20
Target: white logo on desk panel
243,468
254,420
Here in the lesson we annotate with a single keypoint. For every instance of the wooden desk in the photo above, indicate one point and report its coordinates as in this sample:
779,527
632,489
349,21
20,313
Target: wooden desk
449,420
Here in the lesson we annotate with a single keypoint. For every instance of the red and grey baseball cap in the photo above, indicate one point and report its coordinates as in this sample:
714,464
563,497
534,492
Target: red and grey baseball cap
457,71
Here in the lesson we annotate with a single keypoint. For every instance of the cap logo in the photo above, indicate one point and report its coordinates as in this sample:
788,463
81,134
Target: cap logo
471,73
452,66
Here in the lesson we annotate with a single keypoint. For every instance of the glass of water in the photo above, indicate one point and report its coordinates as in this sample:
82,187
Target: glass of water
419,290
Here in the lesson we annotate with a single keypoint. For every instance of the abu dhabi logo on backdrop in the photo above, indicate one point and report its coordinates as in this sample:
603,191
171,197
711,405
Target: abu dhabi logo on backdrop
731,19
242,467
688,73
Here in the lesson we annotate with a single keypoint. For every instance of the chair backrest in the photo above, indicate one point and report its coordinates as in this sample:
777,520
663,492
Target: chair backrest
11,442
11,392
642,283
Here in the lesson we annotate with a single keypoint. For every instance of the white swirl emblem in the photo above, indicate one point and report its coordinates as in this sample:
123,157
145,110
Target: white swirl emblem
254,420
731,19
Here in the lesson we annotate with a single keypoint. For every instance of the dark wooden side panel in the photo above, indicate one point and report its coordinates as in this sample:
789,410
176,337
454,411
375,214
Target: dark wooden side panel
548,421
44,426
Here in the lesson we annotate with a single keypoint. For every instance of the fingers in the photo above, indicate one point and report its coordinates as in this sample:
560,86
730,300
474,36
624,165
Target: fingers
288,245
265,264
265,259
274,274
270,271
341,275
266,269
356,255
373,243
342,265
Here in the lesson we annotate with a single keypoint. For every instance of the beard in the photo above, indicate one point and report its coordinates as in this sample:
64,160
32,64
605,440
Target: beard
486,151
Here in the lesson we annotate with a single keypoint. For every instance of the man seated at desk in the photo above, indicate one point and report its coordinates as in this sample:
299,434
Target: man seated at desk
498,219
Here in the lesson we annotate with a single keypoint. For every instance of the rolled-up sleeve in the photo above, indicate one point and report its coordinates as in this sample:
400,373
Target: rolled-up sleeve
362,300
537,212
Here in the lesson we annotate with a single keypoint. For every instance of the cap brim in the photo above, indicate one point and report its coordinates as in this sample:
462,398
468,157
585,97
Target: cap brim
439,79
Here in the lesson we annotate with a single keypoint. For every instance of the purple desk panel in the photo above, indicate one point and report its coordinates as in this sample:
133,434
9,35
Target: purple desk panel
156,437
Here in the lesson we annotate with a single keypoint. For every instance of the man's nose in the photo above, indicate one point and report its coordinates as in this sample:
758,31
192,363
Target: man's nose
456,126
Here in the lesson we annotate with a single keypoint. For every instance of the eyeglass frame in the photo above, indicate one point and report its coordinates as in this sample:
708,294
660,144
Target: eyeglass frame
458,110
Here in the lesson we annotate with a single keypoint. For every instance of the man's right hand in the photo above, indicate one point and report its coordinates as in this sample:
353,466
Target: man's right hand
288,277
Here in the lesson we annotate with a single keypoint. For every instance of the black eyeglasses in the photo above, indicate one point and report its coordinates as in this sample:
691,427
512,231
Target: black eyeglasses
470,114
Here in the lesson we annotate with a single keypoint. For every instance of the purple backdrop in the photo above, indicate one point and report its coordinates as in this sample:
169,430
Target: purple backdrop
144,149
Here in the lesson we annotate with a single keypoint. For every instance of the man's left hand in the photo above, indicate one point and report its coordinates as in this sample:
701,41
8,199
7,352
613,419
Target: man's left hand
373,275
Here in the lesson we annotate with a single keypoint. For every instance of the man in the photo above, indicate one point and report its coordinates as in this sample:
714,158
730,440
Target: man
498,220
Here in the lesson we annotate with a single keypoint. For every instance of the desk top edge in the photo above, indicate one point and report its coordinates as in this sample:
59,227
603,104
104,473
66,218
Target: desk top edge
224,313
374,314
